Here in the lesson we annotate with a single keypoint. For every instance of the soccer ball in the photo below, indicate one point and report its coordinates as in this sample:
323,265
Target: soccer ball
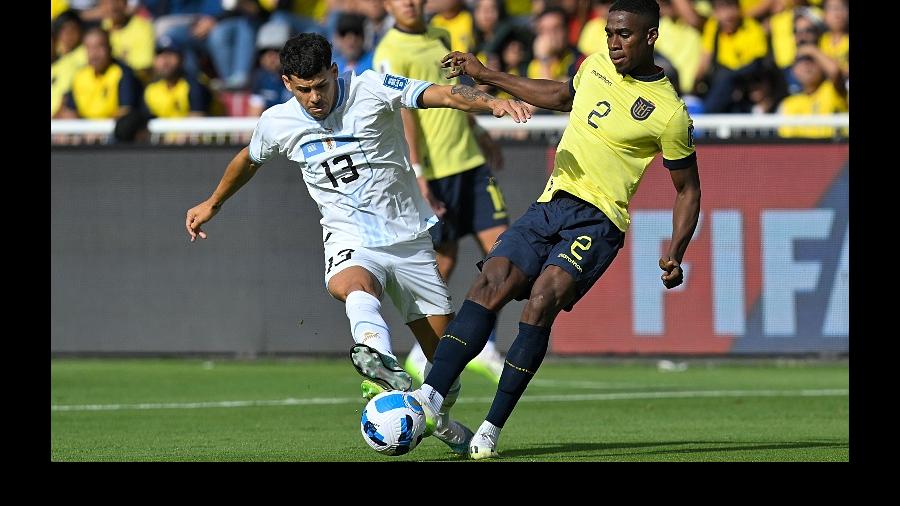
393,423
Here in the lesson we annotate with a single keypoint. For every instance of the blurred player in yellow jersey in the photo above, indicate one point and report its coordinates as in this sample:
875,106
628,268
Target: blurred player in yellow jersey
448,150
624,112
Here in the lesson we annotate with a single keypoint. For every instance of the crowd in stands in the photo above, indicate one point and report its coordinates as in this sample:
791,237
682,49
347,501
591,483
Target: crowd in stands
132,60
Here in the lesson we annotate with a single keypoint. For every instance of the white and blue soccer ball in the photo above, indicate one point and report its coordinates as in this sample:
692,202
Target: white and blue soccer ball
393,423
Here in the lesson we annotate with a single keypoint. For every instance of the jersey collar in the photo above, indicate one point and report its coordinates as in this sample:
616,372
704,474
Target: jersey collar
652,77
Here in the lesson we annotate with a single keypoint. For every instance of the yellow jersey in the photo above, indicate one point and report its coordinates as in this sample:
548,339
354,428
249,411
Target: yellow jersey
177,101
62,71
100,96
618,124
738,49
679,43
133,43
461,29
825,100
446,143
593,36
839,50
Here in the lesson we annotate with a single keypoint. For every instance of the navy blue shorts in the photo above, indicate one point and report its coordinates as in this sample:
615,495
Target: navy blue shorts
567,232
474,203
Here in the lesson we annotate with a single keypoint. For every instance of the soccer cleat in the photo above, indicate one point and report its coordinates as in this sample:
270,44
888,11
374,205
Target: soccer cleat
379,370
488,363
370,389
483,447
455,435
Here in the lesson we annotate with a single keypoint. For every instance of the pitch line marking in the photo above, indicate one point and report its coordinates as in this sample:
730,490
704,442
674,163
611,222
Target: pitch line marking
528,398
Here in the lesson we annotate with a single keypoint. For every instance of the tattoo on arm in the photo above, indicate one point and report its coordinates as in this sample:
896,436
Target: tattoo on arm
470,93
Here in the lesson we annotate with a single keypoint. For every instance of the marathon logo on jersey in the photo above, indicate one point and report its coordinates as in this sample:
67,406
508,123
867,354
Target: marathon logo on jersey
395,82
642,108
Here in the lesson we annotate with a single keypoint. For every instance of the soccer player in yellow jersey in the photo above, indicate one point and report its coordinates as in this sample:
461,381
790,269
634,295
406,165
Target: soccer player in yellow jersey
449,156
624,112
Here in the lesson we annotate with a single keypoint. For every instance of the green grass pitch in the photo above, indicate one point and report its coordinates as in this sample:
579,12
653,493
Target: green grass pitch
573,411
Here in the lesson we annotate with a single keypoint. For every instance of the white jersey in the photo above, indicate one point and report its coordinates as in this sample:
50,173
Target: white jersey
355,162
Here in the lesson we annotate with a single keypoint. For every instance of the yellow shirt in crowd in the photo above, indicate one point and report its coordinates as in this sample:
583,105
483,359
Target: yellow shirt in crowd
62,72
738,49
133,43
825,100
461,29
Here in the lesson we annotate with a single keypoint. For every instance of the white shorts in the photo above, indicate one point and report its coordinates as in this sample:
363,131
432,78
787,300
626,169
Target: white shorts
407,271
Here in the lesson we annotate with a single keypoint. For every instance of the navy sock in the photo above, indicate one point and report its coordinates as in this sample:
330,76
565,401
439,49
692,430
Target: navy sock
463,340
522,362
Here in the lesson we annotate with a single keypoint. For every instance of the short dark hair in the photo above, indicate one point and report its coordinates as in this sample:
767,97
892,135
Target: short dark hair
305,55
350,23
648,9
69,16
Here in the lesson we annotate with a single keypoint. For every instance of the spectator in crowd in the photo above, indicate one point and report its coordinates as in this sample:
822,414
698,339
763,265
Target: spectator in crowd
513,56
733,48
68,30
349,41
67,55
378,21
188,23
593,35
173,93
808,29
578,13
835,43
515,51
782,29
553,57
823,92
452,16
680,45
131,36
268,88
764,90
231,43
491,26
105,88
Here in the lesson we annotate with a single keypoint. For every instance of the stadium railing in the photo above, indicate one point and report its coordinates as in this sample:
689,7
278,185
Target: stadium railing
225,130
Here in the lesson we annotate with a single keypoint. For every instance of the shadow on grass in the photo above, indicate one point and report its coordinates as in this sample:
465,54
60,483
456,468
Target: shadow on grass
600,450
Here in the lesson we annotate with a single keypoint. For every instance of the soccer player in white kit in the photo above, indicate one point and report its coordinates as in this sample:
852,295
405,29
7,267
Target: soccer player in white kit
345,133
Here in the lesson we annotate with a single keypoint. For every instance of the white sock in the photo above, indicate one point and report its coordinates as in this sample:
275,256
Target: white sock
432,397
452,395
490,347
489,429
366,323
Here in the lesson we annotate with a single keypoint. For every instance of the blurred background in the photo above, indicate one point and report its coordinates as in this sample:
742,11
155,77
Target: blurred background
151,99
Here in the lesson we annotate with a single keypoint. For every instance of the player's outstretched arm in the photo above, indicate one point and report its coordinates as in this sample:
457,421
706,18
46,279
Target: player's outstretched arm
685,214
467,98
543,93
238,172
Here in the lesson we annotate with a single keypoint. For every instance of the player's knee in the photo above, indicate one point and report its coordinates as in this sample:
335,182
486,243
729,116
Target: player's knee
488,291
542,307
